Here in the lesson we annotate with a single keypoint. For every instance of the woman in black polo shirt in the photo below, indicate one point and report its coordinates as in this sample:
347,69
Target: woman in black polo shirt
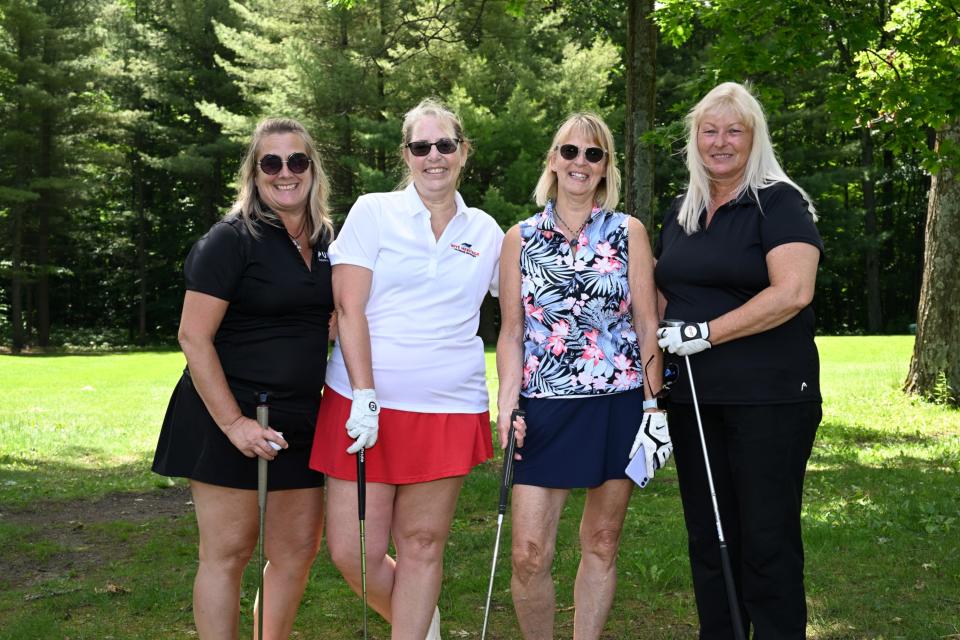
737,262
255,318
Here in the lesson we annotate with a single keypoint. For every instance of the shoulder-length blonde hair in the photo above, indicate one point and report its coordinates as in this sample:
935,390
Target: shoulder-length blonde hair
762,168
433,108
591,126
250,207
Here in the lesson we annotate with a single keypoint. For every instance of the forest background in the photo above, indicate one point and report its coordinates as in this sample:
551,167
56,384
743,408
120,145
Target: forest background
122,123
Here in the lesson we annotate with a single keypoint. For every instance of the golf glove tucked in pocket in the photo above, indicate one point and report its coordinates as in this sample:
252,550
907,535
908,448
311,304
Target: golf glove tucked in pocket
653,442
364,421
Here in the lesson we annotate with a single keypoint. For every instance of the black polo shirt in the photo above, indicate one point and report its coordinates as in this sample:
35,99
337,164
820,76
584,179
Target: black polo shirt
274,334
716,270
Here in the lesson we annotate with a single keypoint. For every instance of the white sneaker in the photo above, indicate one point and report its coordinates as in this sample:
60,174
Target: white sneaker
433,633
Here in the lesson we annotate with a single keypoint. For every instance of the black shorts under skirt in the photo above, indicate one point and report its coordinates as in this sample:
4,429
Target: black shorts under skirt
578,442
192,446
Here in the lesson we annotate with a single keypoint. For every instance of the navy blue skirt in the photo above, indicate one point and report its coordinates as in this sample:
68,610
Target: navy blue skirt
578,442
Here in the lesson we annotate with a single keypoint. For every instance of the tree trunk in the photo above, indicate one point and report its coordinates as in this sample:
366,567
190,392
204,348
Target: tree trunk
871,252
641,64
935,366
16,283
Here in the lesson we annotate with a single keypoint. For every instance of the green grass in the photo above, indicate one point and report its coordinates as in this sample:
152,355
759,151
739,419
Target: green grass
881,517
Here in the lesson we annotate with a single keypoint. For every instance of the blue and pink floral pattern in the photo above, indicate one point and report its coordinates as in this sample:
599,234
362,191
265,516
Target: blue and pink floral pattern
579,337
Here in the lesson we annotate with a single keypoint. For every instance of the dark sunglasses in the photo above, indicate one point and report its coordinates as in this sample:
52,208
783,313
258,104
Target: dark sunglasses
421,148
296,162
571,151
671,373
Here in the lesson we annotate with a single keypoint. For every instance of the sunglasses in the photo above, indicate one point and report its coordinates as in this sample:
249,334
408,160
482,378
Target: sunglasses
671,373
571,151
296,162
421,148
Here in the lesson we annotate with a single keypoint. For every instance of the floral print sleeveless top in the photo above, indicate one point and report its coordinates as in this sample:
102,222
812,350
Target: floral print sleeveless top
579,338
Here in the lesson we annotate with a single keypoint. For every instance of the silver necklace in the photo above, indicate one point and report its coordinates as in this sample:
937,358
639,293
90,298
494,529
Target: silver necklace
293,239
576,234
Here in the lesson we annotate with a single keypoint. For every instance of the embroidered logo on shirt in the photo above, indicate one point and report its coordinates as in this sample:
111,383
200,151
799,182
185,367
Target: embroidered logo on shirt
465,247
322,256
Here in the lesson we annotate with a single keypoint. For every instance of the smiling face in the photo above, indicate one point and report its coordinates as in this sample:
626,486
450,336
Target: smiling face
285,192
578,177
435,174
724,142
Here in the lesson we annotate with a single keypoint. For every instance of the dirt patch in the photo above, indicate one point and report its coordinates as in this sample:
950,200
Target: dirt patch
61,542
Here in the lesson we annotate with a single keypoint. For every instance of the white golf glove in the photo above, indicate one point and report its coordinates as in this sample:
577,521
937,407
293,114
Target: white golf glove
685,340
364,420
654,437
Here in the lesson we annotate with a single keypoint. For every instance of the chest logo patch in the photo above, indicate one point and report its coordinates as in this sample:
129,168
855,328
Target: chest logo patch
322,256
465,247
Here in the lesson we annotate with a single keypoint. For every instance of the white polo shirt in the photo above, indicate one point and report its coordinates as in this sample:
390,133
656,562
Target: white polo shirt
424,306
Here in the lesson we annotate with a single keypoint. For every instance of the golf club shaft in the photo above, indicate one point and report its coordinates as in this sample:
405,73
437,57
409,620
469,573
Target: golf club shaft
362,511
263,417
506,480
724,552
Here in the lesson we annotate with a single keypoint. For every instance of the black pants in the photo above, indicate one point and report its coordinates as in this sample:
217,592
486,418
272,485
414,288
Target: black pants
758,456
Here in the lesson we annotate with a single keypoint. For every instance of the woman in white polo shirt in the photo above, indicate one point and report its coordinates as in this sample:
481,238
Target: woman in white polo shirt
411,268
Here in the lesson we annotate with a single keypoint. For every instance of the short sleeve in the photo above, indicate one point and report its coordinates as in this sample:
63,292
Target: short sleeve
215,264
786,219
358,242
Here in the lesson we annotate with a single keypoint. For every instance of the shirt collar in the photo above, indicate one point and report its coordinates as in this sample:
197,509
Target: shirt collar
415,204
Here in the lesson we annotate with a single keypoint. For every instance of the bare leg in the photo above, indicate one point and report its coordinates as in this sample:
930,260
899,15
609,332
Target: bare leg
422,516
227,519
535,514
293,532
600,529
343,539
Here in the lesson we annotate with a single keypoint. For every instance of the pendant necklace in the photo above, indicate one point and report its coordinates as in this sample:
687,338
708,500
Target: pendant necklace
293,239
576,234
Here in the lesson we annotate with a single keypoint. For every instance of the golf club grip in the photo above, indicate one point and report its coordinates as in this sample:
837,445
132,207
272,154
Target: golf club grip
362,484
263,417
735,618
507,478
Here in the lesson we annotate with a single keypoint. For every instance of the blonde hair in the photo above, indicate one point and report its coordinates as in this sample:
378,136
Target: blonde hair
431,107
762,169
591,126
251,209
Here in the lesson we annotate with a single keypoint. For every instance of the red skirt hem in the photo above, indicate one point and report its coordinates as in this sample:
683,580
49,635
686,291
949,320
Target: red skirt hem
411,447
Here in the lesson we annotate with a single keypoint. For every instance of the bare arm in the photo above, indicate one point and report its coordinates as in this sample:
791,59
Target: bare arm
201,317
351,290
510,341
793,274
643,292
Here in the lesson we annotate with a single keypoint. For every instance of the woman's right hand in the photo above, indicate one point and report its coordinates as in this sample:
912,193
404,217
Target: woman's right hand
503,431
253,440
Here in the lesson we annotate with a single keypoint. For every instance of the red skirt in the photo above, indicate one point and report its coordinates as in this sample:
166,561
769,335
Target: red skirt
411,447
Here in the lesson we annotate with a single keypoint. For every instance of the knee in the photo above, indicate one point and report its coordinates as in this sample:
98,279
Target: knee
530,559
230,555
601,544
421,545
298,551
344,555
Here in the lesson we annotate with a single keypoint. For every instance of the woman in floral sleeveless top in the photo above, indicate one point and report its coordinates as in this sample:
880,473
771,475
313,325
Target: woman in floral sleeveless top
578,353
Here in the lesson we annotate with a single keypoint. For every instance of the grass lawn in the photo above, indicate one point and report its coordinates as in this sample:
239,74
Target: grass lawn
95,546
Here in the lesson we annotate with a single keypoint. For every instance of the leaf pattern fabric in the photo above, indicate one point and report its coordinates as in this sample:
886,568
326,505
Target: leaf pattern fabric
579,337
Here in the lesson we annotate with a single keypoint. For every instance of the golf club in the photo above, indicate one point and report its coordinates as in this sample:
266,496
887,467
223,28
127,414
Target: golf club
724,553
362,511
505,483
263,417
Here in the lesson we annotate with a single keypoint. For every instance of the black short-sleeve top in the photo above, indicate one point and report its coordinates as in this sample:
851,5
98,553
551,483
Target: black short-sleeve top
721,267
274,334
